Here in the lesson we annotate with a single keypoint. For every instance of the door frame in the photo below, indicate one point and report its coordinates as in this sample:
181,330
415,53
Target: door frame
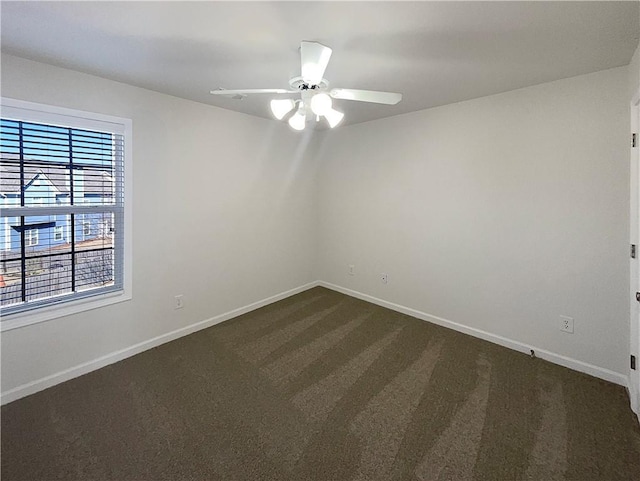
634,268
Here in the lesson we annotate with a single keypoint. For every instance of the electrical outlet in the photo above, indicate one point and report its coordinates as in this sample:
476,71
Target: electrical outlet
566,324
352,270
384,278
179,302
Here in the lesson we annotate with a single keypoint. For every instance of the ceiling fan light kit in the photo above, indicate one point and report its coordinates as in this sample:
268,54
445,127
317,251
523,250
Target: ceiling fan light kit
314,91
333,117
299,119
321,103
281,107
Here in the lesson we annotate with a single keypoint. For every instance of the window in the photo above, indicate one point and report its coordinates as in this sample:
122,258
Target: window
62,171
31,237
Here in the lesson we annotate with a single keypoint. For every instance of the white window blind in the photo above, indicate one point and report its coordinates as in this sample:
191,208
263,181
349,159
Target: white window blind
62,193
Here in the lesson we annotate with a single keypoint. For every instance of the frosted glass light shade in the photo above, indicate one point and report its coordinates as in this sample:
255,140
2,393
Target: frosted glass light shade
320,104
281,107
298,120
333,117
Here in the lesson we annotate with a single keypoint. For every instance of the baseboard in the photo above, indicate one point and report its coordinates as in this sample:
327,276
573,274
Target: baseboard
555,358
76,371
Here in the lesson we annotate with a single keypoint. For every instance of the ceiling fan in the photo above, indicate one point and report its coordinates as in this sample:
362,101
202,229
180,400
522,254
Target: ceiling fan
315,94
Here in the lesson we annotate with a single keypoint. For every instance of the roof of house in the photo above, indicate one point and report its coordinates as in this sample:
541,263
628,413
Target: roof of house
95,181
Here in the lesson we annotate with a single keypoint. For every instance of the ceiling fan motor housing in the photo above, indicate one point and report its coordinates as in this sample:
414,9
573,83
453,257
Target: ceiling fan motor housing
297,83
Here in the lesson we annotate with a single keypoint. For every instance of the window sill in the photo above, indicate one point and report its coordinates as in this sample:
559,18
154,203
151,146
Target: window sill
43,314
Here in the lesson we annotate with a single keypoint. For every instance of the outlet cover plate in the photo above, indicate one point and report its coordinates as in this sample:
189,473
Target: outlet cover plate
179,302
566,324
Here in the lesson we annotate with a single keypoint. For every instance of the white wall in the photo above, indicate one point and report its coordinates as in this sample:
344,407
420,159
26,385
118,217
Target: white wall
634,73
223,213
500,213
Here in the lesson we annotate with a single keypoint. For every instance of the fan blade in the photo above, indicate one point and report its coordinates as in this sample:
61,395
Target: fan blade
389,98
314,58
253,91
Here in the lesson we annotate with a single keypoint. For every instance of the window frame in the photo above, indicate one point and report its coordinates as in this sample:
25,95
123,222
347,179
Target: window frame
72,118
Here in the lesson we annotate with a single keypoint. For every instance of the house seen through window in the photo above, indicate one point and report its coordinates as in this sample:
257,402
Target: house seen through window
59,186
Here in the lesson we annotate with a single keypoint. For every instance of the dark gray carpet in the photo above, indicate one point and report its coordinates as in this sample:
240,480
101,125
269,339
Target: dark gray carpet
321,386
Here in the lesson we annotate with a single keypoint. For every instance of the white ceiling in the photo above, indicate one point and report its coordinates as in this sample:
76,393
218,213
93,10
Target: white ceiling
434,53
